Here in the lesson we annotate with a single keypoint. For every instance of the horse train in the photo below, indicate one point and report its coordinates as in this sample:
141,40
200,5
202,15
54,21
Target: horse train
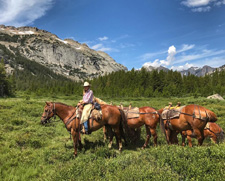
125,123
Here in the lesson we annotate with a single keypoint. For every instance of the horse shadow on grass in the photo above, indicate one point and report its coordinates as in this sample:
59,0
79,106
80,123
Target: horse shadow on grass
91,145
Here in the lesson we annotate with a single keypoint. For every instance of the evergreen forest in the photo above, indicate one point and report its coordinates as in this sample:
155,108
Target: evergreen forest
32,77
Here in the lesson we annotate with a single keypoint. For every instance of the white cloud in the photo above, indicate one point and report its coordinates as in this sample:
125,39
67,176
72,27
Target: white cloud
170,58
182,67
103,38
22,12
219,3
97,46
201,9
196,3
126,45
148,56
156,63
199,55
171,55
202,5
101,47
186,47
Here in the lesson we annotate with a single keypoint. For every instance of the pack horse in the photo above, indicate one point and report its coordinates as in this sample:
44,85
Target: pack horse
191,117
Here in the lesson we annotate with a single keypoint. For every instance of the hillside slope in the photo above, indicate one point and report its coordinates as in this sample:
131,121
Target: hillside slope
65,57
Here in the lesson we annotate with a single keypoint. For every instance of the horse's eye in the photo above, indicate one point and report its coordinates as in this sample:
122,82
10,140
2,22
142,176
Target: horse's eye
46,110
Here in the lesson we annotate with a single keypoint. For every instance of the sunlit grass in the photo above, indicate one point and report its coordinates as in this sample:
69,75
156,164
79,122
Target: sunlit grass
30,151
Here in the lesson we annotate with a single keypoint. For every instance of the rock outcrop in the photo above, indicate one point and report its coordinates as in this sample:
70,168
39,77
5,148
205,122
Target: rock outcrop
67,57
215,96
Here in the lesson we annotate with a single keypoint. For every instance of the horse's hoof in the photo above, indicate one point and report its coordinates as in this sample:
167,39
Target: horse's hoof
142,147
75,155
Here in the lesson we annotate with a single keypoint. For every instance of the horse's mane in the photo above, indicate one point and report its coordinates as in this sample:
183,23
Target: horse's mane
63,104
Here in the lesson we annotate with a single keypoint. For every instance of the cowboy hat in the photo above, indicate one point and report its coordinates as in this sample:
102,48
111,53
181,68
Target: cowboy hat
86,84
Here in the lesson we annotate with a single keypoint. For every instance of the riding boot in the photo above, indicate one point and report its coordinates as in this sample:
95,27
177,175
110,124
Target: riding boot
83,129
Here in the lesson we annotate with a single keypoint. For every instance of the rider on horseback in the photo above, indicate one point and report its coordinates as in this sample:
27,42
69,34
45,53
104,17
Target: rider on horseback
87,105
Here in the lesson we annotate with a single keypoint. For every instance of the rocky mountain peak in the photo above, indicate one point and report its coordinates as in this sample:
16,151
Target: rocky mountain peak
67,57
192,70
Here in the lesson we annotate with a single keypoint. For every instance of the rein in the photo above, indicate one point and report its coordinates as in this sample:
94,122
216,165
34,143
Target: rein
68,120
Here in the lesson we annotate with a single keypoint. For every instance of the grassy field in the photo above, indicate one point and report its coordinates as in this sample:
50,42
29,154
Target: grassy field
30,151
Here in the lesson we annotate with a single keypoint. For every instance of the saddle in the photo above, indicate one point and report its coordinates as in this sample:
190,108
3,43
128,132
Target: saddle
171,113
96,112
131,112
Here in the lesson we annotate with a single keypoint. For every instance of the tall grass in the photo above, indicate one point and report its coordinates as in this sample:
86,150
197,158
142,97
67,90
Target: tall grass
30,151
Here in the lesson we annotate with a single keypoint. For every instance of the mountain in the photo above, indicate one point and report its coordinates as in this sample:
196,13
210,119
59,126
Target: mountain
199,71
65,57
221,68
193,70
151,68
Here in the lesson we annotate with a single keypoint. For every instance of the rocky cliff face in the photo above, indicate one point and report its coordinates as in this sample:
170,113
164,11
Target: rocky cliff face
67,57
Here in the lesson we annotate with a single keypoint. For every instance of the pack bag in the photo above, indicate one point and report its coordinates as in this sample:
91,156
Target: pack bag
97,106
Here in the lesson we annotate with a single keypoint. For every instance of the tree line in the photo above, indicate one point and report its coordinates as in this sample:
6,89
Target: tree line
158,84
33,77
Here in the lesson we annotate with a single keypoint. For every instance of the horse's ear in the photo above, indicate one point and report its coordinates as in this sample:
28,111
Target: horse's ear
47,103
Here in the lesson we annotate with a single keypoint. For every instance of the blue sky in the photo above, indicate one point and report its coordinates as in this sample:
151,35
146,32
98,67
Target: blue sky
176,34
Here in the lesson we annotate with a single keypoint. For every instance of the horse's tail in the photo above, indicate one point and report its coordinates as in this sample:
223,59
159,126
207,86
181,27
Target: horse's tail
162,126
131,135
122,130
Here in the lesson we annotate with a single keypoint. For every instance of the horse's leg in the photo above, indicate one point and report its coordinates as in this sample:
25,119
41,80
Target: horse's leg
75,140
105,133
200,136
147,136
183,138
173,137
189,141
123,136
118,135
154,134
79,139
111,134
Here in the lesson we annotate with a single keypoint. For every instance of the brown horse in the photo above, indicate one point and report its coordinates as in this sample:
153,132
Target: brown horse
149,117
212,130
192,117
111,116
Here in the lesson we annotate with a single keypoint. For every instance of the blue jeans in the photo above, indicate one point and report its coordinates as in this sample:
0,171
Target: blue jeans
86,125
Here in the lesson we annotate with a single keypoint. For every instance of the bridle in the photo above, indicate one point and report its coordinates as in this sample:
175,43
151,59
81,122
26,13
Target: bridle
74,115
50,112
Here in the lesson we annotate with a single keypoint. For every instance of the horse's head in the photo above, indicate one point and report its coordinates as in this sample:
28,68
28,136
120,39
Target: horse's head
49,111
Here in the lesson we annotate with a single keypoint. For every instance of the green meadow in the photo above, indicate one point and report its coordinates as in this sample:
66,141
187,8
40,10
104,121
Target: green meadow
31,151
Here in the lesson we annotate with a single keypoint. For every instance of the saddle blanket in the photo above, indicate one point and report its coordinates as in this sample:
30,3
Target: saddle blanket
96,114
171,113
92,113
132,112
